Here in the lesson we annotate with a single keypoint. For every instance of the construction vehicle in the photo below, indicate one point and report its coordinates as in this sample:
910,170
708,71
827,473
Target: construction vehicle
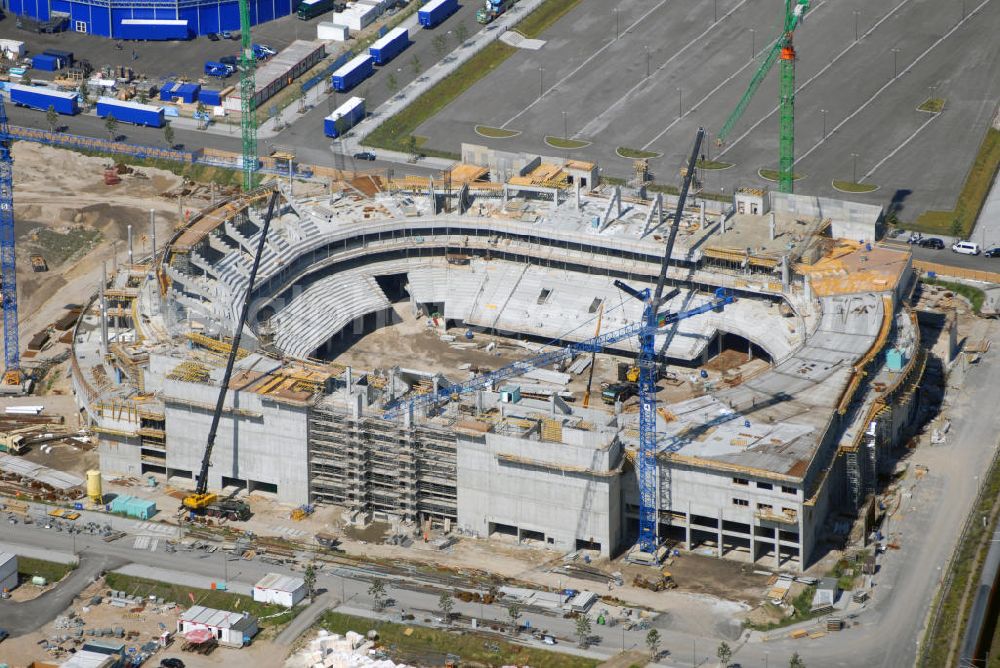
491,9
201,501
612,393
661,583
653,323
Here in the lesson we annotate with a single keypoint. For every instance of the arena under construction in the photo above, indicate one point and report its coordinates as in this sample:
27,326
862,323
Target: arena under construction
776,414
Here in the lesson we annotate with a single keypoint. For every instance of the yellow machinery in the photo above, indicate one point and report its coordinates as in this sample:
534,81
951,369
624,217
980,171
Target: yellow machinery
199,502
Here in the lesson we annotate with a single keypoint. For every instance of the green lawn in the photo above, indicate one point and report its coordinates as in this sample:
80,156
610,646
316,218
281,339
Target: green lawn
637,154
563,142
932,104
209,598
50,570
496,133
393,133
426,646
970,200
772,174
974,295
851,187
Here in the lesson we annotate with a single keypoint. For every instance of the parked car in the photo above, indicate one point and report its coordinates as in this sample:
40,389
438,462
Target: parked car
230,34
213,36
966,248
931,242
230,61
914,238
262,51
364,155
993,252
171,662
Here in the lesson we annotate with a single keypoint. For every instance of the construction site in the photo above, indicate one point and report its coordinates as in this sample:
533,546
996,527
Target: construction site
456,354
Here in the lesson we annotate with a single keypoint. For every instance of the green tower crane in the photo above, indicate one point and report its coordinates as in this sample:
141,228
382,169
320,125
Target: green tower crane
248,105
795,10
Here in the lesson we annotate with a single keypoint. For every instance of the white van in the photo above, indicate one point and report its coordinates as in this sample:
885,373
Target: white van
966,248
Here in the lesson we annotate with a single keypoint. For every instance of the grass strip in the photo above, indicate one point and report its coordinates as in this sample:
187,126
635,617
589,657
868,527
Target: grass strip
210,598
636,154
27,568
772,174
851,187
496,133
975,296
960,221
713,164
428,646
932,104
393,133
563,142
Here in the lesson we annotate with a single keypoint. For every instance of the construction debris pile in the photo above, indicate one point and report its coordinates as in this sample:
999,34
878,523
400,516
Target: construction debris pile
332,650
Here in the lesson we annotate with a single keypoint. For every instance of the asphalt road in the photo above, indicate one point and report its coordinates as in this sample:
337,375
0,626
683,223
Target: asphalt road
951,258
22,618
590,81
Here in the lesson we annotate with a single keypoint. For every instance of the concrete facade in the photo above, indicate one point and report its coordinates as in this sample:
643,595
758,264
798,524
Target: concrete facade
563,495
8,571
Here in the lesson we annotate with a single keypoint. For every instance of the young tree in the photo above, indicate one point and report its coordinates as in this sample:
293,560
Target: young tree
796,661
377,592
410,143
461,33
653,643
956,228
440,45
84,93
416,66
111,125
724,652
51,117
392,83
309,576
168,134
445,604
26,79
583,630
514,611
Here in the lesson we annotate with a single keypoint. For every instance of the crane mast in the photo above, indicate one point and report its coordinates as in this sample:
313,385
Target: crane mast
8,256
248,103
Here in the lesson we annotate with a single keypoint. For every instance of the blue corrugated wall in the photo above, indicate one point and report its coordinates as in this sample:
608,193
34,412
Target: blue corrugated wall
203,18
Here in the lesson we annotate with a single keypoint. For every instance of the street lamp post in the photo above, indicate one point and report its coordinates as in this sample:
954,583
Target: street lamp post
541,72
716,11
753,44
680,102
618,23
894,71
823,111
854,172
646,49
857,13
565,127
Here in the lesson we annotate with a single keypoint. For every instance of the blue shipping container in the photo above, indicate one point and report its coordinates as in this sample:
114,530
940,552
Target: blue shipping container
436,11
214,69
45,63
43,98
353,73
346,116
130,112
167,91
210,98
66,57
388,47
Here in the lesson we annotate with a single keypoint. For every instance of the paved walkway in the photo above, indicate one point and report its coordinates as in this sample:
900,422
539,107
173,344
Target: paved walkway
305,619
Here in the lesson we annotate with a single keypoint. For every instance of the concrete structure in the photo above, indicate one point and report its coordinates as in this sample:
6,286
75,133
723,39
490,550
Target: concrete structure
752,467
231,629
280,589
8,571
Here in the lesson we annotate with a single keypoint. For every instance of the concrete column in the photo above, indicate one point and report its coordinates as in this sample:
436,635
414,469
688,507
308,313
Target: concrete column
784,273
807,288
722,223
753,545
104,309
152,231
687,528
701,214
577,194
129,228
349,379
479,402
718,533
618,199
771,226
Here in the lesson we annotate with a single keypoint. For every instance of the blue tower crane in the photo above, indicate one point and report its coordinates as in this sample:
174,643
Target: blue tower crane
8,265
653,321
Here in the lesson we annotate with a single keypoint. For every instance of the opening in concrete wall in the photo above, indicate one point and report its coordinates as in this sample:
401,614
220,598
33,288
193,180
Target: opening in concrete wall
238,483
257,486
587,545
497,529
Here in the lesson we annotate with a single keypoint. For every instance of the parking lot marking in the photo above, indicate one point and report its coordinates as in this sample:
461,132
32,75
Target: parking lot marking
889,83
897,149
645,82
582,65
808,81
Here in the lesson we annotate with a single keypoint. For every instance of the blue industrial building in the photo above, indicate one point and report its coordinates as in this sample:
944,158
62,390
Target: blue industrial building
151,19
